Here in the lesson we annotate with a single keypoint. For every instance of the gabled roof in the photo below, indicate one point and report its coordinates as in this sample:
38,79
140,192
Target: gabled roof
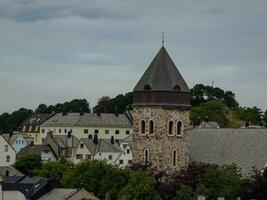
33,122
89,120
162,75
34,150
245,147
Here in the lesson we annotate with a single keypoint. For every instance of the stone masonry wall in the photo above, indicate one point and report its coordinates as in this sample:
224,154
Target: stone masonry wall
160,144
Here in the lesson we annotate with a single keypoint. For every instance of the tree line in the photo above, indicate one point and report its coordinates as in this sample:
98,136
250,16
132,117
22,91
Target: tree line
140,182
207,102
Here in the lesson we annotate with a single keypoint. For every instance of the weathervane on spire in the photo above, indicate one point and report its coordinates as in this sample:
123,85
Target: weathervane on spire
163,34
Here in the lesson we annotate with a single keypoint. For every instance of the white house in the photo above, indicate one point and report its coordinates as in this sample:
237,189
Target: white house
86,125
117,152
18,141
8,154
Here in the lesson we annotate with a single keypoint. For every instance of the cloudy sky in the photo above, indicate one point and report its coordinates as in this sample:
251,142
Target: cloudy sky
56,50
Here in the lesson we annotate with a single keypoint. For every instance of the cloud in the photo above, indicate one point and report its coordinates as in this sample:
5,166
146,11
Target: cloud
35,10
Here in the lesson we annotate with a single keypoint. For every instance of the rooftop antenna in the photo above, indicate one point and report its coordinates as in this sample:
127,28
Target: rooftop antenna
163,35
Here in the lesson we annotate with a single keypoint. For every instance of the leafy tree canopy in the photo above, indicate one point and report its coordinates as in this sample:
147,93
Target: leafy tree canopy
27,164
203,93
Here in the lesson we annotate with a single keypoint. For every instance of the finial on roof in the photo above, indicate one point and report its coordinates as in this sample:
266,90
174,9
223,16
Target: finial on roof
163,34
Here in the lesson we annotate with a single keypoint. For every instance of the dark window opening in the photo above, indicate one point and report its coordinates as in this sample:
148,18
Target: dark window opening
170,127
147,87
174,158
146,156
151,127
143,127
177,88
179,128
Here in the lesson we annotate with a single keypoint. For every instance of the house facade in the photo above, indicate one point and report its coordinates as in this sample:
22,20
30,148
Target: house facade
18,141
86,125
8,154
31,126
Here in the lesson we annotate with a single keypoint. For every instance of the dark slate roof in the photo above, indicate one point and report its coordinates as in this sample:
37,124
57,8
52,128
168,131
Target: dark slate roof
162,75
34,121
34,150
89,120
245,147
31,187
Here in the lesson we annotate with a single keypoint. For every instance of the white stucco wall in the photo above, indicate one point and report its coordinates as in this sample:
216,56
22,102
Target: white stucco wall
45,156
79,131
83,151
3,153
12,195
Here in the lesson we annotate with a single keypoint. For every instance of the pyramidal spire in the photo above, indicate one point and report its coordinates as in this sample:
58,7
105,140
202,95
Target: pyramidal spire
162,75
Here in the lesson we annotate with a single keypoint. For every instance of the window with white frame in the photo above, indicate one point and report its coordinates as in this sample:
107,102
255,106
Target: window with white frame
170,127
179,128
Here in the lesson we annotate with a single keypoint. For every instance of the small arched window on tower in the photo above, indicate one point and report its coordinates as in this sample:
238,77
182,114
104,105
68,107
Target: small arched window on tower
179,128
174,158
146,156
142,127
176,88
151,127
147,87
170,127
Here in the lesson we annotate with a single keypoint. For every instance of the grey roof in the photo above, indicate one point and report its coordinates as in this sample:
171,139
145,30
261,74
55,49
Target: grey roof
103,146
34,150
11,170
89,119
34,121
162,74
245,147
58,194
65,141
205,124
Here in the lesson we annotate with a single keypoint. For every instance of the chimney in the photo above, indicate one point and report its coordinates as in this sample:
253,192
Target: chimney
30,174
69,134
95,140
247,124
116,111
31,143
112,140
207,118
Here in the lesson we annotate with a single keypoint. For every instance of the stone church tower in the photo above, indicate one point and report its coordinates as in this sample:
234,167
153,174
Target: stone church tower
161,123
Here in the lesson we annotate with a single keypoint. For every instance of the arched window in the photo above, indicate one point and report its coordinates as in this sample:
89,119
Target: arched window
177,88
170,127
143,127
146,156
147,87
151,127
174,158
179,128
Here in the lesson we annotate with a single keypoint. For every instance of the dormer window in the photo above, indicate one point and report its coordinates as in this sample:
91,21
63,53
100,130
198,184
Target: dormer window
147,87
177,88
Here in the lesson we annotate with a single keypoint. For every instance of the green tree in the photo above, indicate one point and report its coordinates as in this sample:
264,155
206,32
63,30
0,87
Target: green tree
17,117
141,185
96,176
214,110
202,94
4,126
55,169
185,193
224,181
265,119
27,164
102,105
250,115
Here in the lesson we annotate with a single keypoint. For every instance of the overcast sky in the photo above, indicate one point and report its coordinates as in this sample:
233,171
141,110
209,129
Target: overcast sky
56,50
